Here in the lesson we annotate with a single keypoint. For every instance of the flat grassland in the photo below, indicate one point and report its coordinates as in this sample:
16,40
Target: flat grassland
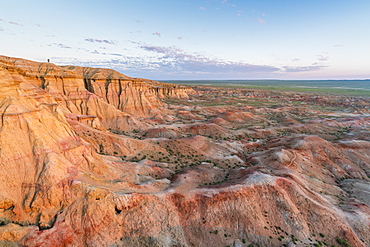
340,87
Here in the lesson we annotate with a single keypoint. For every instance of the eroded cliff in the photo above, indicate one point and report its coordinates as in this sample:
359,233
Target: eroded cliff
90,157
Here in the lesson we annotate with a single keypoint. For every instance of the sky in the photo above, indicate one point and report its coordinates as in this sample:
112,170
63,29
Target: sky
194,39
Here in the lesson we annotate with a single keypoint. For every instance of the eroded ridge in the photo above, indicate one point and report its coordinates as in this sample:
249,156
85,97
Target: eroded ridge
91,157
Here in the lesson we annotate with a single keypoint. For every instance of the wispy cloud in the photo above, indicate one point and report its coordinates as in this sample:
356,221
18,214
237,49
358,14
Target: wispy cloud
175,59
339,45
11,22
202,8
62,46
158,49
157,34
15,23
293,69
180,37
110,42
176,63
115,54
106,54
323,58
227,2
260,20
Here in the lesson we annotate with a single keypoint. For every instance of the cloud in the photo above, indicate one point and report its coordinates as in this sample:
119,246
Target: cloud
110,42
260,20
322,58
11,22
174,59
226,2
180,38
296,60
60,45
15,23
63,46
338,45
115,54
106,54
176,63
158,49
1,30
293,69
202,8
157,33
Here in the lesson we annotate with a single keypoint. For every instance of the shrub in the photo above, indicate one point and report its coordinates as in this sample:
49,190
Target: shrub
343,242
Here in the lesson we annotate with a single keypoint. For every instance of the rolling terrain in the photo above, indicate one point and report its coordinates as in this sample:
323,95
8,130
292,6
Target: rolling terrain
91,157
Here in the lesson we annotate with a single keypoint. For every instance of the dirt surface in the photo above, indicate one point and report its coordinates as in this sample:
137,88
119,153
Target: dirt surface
90,157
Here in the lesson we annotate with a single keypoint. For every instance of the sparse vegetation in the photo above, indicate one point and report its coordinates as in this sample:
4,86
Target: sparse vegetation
343,242
233,161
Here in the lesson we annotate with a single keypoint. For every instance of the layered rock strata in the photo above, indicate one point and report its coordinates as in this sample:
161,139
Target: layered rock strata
88,158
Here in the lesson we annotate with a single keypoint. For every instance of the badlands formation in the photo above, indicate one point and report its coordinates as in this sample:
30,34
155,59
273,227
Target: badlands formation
91,157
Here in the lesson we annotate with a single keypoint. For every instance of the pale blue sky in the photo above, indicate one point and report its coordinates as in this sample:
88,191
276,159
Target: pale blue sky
203,39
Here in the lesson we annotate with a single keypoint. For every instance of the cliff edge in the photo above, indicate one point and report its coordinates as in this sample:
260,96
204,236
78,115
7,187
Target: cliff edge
91,157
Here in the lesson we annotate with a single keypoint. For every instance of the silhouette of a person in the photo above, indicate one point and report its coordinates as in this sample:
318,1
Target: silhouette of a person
48,60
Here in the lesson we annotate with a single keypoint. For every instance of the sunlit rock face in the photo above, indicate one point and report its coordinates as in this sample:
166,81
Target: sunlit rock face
91,157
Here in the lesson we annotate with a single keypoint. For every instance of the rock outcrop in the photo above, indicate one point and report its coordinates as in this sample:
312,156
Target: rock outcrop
88,158
98,96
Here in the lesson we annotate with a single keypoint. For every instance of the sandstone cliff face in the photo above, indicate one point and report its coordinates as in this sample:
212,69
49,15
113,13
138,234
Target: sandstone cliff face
88,159
40,154
114,99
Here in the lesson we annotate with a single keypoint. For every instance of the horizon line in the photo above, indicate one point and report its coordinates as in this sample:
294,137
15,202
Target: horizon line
262,79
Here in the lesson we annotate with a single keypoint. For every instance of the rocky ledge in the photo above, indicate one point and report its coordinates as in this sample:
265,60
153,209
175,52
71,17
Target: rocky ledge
91,157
